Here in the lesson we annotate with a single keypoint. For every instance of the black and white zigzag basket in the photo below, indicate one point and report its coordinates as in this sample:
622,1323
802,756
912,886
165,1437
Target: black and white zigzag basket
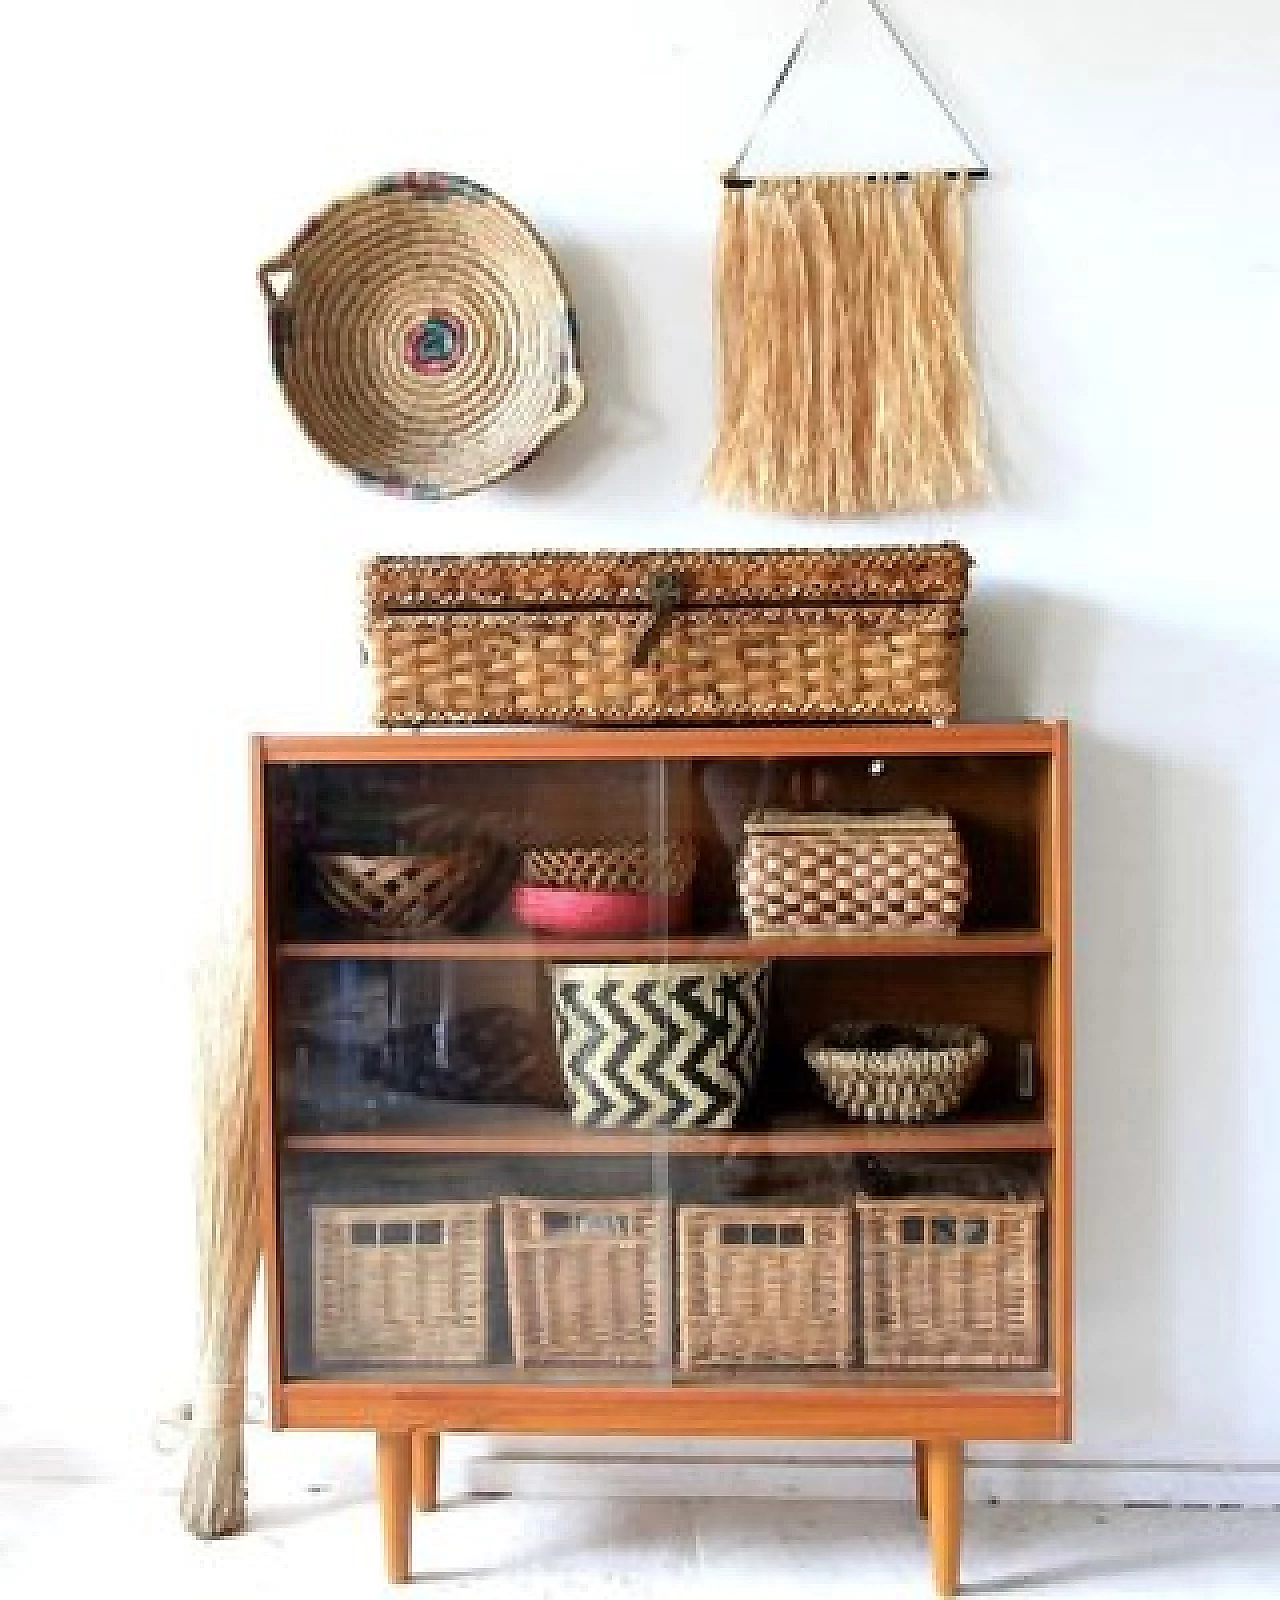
663,1045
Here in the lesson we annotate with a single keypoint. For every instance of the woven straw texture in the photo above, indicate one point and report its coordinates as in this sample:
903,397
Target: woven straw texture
586,1282
771,635
844,382
882,1072
424,339
765,1286
668,1045
852,874
950,1281
400,1283
871,575
408,893
636,867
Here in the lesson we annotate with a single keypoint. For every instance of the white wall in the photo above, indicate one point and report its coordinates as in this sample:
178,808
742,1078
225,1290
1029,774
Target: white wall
181,568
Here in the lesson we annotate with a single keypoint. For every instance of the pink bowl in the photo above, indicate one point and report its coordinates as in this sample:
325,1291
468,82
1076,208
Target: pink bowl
598,911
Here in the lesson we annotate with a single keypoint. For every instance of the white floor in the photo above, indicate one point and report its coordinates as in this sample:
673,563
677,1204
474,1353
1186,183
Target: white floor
315,1533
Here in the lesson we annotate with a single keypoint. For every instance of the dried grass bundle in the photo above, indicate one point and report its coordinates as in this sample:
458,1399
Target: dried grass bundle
213,1494
843,380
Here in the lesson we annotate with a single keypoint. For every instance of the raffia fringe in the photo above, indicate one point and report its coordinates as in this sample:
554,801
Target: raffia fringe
844,383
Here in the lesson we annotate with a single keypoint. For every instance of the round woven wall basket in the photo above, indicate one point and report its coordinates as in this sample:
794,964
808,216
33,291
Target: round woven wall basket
423,336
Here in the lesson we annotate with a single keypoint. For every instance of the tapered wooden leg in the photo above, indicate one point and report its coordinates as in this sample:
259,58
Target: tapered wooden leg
426,1471
395,1502
920,1451
946,1506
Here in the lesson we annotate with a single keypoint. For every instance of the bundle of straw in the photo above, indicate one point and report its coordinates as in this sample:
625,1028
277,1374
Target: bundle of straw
213,1495
843,377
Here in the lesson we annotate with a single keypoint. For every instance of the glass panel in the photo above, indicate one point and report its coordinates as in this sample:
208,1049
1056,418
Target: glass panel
568,1106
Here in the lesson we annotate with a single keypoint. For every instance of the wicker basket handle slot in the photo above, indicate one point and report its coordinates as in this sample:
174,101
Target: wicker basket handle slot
278,266
572,393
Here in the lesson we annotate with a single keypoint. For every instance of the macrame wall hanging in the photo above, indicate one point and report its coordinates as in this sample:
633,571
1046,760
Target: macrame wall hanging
844,377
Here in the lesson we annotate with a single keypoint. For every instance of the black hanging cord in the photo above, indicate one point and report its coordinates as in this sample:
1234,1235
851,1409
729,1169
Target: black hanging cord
733,178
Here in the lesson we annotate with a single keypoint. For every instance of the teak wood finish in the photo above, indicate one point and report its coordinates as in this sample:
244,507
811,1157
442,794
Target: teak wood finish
937,1411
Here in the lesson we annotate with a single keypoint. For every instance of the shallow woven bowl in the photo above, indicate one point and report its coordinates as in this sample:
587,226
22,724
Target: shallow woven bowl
412,892
423,336
883,1072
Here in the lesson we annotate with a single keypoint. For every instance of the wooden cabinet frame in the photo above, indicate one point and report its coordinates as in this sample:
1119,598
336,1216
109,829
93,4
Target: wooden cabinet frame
938,1410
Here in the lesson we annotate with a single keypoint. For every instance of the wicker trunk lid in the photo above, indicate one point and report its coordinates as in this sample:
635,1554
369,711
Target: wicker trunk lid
668,636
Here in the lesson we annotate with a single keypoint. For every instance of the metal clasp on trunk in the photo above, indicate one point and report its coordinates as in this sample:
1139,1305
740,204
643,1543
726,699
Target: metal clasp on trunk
665,598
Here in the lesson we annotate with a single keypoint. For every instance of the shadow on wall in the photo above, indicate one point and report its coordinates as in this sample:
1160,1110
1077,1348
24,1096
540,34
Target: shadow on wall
1160,995
646,382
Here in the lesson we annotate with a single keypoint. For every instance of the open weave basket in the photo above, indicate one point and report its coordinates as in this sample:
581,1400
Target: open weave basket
886,1073
424,338
634,867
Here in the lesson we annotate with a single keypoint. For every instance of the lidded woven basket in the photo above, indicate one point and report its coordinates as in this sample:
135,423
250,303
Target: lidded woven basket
885,1072
819,872
424,337
696,636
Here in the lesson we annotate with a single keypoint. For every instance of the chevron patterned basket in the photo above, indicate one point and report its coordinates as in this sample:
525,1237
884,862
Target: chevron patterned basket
663,1045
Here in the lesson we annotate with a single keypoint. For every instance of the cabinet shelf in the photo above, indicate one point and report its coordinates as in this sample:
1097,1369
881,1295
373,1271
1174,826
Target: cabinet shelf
504,1131
695,947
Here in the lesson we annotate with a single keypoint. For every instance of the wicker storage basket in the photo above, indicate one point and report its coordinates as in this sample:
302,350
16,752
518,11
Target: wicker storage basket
586,1282
830,873
884,1072
871,634
424,338
399,1283
662,1045
765,1286
949,1278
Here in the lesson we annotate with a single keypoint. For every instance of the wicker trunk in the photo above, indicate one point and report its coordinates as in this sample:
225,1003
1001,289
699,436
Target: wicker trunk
400,1283
871,634
765,1286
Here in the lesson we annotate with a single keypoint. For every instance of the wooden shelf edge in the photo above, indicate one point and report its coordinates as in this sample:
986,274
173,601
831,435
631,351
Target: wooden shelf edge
748,741
1031,1135
682,947
814,1411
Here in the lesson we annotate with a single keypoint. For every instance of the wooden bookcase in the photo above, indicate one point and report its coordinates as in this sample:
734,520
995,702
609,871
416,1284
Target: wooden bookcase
1008,970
